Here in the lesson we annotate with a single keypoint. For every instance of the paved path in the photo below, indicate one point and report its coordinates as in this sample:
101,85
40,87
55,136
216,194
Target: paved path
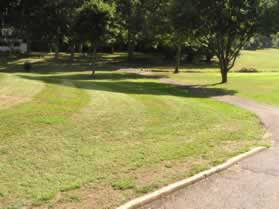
251,184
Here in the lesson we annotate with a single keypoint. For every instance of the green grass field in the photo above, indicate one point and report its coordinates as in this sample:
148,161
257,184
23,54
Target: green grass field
70,141
261,87
266,60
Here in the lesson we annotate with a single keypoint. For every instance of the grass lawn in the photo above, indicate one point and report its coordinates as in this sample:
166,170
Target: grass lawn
266,60
261,87
76,142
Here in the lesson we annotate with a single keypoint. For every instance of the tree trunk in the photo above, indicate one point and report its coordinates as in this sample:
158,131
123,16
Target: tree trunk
190,57
50,47
28,42
223,69
56,50
131,35
178,58
11,52
112,49
80,49
131,46
208,59
224,74
94,58
72,52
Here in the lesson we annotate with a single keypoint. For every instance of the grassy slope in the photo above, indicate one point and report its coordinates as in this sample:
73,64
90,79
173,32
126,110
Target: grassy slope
13,86
123,132
15,91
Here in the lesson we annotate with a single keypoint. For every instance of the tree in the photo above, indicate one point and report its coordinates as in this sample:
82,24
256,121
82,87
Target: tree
28,17
132,15
268,20
25,19
157,32
57,16
228,24
92,24
184,18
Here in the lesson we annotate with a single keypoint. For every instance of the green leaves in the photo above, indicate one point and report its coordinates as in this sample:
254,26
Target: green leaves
93,20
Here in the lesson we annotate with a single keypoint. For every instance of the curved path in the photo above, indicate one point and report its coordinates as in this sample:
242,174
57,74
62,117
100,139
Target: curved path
251,184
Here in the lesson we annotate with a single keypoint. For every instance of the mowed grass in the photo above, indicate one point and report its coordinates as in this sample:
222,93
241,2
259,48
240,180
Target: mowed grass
261,87
96,144
264,60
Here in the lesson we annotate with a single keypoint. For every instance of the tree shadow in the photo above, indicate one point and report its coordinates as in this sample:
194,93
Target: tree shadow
56,67
45,63
129,84
101,75
49,70
206,85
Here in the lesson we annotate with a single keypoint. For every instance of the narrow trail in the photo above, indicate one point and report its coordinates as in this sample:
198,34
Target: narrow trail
251,184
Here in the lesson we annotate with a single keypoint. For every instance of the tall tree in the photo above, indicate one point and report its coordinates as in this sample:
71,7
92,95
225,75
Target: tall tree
228,24
93,22
132,16
184,18
268,18
25,19
56,21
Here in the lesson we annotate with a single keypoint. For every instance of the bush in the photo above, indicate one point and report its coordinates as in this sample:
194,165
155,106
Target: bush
248,70
27,66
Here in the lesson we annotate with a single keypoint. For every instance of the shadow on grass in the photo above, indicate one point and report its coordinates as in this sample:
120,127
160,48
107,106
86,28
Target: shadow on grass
44,63
129,83
56,67
206,85
100,75
47,70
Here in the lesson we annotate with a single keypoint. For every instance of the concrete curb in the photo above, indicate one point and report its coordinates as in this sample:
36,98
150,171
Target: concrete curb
141,201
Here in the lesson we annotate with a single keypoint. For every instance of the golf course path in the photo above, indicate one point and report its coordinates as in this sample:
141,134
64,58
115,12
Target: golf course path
251,184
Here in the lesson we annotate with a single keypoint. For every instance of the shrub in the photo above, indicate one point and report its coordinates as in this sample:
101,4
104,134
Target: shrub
248,70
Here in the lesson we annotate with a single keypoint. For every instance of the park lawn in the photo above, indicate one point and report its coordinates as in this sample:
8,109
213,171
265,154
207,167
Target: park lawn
96,144
261,87
264,60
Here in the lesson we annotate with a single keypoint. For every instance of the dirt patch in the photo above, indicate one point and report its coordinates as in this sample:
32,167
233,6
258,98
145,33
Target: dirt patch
103,196
89,197
9,101
142,72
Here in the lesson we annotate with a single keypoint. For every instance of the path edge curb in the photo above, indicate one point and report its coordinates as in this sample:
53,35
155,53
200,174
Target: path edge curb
141,201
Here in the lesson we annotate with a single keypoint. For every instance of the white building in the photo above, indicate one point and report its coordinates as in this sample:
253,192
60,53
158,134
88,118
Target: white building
9,44
19,46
